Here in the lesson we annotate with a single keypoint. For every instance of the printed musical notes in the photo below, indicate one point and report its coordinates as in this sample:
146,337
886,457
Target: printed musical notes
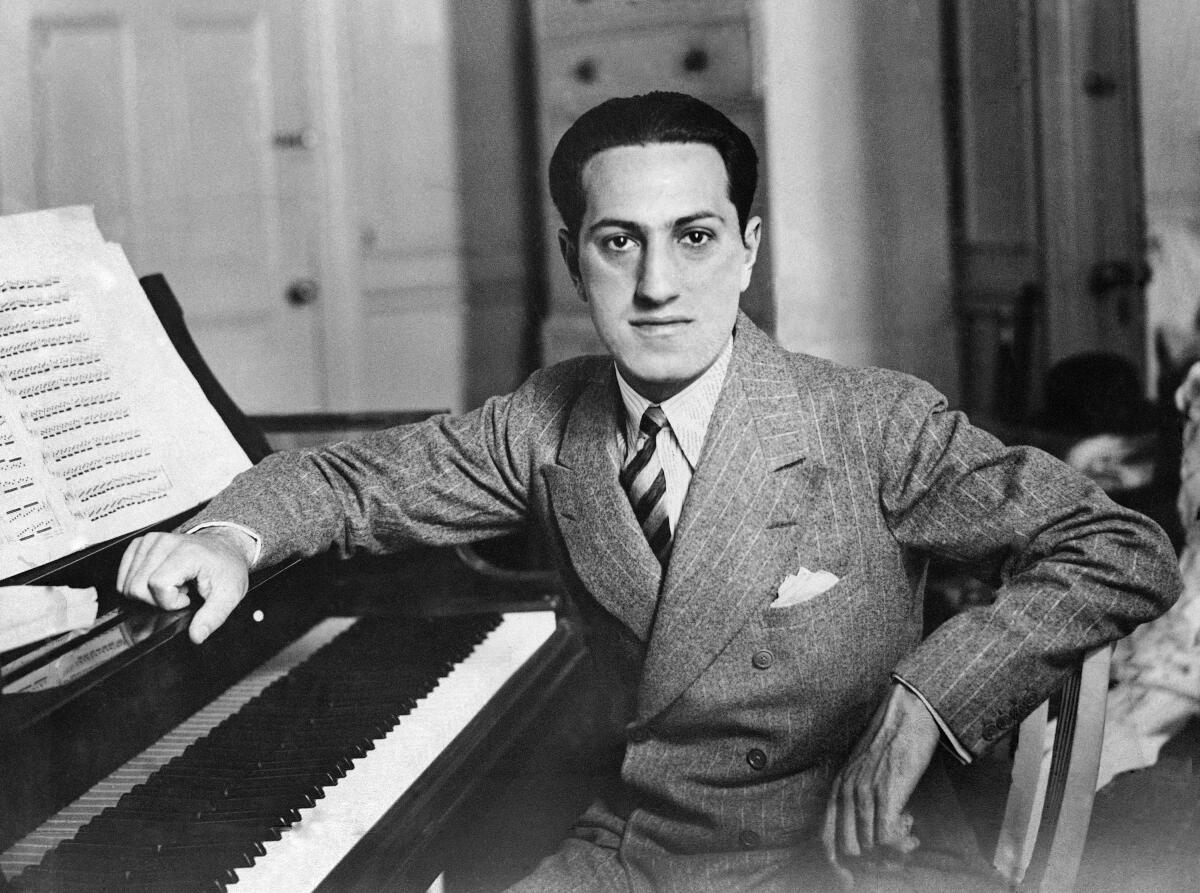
102,429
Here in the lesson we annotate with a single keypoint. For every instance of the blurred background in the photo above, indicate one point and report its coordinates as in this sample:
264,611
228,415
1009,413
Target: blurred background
348,196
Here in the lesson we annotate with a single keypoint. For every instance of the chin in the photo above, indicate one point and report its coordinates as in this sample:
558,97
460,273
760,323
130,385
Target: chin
658,379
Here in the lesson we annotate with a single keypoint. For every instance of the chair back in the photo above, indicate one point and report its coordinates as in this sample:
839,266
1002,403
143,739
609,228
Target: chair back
1053,783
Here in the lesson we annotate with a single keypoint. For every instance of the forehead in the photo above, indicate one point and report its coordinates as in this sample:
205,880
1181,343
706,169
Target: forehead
656,181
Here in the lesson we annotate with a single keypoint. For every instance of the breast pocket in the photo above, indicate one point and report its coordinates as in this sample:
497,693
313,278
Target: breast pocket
810,605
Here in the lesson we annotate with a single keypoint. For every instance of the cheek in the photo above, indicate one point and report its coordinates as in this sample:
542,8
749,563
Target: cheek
604,282
717,287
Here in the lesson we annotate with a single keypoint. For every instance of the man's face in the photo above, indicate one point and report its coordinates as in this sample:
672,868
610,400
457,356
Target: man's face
660,260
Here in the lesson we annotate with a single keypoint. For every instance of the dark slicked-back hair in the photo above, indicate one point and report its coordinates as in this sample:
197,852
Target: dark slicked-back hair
643,120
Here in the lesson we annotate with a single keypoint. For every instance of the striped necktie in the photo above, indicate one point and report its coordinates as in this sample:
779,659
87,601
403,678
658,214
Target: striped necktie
646,484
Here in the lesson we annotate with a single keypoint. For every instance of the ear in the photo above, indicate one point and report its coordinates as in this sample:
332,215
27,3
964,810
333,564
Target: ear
750,241
570,253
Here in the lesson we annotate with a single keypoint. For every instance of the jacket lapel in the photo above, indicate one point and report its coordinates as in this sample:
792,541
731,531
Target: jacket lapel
737,534
607,548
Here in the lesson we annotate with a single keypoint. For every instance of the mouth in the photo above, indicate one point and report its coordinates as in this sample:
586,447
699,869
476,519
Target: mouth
659,324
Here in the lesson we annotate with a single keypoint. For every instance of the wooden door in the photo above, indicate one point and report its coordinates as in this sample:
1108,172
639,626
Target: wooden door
1048,226
187,125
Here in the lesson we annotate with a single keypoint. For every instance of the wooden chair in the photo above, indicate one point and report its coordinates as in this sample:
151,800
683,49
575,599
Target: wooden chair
1049,804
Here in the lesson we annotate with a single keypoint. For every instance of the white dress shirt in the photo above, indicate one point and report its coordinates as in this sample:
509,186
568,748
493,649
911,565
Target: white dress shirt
688,414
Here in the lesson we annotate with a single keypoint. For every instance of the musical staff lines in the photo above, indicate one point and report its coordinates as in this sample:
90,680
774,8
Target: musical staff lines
103,462
39,325
98,442
32,520
72,425
62,387
92,376
118,483
83,401
128,501
38,345
70,360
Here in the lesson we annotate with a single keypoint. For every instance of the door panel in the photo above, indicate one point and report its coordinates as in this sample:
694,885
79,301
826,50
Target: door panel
165,116
1047,190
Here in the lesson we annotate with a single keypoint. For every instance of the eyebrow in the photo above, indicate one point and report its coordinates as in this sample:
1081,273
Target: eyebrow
617,223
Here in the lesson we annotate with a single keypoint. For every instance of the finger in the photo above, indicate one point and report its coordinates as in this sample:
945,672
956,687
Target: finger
127,559
891,822
864,797
168,581
132,562
847,824
905,844
829,842
151,551
222,591
897,834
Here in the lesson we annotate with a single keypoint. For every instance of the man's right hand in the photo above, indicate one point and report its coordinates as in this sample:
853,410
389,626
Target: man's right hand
158,567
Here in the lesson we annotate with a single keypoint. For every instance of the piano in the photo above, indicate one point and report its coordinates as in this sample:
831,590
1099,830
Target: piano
362,725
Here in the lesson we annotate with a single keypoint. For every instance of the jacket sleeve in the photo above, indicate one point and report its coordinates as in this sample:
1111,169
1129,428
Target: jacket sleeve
446,480
1074,569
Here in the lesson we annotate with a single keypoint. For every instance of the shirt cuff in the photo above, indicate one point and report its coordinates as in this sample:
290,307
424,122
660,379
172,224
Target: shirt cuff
243,529
948,739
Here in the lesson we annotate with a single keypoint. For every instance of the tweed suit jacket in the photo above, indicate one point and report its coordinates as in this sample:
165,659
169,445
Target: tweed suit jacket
806,464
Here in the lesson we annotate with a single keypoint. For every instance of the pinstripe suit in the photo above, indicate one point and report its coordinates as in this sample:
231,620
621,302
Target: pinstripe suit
806,464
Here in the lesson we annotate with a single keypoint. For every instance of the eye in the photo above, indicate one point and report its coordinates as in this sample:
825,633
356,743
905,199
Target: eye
697,238
617,242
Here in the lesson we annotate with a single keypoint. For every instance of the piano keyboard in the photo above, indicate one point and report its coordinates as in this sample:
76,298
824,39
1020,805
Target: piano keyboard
289,850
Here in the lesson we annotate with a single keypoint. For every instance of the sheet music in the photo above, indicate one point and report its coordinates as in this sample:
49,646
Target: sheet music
103,430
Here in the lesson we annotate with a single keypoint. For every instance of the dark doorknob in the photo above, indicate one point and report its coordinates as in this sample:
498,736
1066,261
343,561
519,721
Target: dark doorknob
301,292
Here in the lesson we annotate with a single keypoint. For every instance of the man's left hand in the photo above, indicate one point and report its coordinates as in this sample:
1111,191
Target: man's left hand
866,805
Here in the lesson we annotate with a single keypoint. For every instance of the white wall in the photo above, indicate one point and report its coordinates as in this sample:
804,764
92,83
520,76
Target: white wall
1169,55
1169,70
858,188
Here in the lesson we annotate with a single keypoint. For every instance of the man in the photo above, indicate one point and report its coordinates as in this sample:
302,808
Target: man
742,529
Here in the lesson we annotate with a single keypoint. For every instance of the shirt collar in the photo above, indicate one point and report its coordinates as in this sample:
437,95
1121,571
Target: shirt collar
688,412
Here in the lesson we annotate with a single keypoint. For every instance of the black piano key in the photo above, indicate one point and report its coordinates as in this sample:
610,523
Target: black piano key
250,741
223,788
120,880
214,805
134,834
71,856
286,762
230,774
273,818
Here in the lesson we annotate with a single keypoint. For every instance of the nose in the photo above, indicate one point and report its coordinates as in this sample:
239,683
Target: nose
658,279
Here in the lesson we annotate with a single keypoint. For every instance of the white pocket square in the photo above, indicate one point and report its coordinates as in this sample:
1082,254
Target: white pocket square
801,586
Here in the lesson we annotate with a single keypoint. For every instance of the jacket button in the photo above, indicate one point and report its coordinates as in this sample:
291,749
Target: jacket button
749,839
762,659
637,736
990,731
756,758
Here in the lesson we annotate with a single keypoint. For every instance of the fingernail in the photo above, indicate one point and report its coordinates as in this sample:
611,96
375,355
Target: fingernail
200,633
